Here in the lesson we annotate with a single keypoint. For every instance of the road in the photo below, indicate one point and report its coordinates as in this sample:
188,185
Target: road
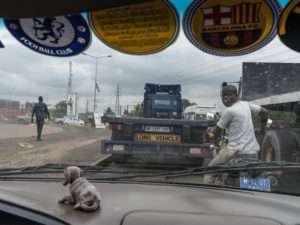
71,145
18,131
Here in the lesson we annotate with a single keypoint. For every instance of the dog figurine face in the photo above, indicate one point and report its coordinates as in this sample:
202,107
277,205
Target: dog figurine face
83,195
71,174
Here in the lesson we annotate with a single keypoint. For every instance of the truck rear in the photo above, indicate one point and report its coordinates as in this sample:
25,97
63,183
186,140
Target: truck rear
162,101
161,136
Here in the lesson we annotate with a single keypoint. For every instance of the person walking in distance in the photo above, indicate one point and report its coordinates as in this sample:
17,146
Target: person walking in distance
40,111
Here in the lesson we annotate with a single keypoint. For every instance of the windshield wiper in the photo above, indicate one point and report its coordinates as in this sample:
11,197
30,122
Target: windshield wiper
243,167
252,166
123,173
59,168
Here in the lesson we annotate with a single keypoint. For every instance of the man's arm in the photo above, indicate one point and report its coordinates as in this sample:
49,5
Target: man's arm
47,112
222,124
263,114
217,133
33,113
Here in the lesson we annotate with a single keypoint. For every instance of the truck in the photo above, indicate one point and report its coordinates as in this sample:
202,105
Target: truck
198,112
161,135
276,86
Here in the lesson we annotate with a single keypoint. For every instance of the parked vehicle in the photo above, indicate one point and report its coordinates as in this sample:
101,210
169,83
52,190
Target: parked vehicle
198,112
73,121
59,121
275,86
24,119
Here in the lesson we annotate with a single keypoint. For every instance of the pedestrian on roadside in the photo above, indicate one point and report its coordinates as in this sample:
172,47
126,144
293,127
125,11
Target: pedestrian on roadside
237,121
40,111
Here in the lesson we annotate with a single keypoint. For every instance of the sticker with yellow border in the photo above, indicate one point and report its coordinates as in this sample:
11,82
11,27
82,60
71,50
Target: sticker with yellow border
138,28
289,25
231,28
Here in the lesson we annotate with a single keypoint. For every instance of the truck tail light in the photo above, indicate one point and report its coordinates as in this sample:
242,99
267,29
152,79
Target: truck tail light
118,127
109,148
115,148
204,152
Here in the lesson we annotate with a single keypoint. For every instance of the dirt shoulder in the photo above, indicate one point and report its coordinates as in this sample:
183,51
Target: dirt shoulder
70,145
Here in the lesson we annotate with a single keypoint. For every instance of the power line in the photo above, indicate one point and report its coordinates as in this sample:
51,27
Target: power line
219,69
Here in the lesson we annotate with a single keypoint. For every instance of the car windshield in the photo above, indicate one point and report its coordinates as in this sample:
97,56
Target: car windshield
83,89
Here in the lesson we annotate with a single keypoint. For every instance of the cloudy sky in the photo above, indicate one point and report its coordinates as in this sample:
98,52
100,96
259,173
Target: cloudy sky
25,74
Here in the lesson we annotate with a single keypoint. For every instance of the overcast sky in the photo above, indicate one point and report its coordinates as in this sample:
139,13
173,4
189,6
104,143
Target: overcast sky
25,74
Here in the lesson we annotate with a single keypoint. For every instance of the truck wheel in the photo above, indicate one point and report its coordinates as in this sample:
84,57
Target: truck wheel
279,145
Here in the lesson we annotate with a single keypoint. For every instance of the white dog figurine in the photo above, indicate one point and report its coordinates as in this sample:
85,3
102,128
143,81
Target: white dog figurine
84,196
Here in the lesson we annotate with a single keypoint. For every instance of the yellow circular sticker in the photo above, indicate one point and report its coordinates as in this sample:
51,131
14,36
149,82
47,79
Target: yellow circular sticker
289,25
139,28
229,28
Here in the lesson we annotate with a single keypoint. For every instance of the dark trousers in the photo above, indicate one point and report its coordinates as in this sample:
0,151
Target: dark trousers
39,125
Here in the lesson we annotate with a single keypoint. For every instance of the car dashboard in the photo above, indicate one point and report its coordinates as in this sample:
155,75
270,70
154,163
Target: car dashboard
142,203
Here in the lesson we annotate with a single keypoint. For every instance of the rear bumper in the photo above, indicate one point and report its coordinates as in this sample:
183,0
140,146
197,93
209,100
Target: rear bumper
157,152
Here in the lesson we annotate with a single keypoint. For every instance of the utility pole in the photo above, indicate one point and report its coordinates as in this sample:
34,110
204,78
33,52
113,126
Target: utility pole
117,106
87,106
69,98
96,87
69,90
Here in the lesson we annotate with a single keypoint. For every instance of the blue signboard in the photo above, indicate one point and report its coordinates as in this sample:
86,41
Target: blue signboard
260,184
54,36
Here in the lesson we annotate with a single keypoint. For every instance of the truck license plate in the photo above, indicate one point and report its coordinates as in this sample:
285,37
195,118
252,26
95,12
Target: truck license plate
157,129
163,138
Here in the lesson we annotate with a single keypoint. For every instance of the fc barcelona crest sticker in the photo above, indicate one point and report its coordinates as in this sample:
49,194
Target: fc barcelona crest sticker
231,28
54,36
289,25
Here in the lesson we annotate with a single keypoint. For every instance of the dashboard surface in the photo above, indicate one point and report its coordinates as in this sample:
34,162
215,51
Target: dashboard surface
133,204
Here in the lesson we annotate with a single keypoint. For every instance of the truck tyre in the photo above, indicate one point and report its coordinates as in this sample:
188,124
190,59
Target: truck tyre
279,145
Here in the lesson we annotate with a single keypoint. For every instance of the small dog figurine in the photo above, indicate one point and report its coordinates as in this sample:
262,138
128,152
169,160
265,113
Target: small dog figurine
84,195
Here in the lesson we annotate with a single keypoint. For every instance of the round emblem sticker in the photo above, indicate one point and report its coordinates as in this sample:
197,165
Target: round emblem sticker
138,28
231,28
54,36
289,25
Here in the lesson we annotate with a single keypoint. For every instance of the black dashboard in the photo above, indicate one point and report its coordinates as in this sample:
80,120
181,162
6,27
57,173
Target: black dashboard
136,204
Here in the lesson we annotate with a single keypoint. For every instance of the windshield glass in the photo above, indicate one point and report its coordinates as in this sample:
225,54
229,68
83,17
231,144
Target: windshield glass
79,89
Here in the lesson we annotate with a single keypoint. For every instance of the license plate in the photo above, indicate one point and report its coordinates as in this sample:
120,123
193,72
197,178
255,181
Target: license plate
118,148
163,138
157,129
261,184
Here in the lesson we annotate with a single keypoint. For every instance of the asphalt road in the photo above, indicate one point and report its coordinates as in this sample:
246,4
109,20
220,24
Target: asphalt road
71,145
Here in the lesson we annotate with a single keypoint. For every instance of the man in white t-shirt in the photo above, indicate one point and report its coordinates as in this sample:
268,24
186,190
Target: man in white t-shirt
237,121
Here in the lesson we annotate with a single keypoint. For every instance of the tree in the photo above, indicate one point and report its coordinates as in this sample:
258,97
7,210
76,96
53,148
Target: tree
186,103
109,112
60,109
137,111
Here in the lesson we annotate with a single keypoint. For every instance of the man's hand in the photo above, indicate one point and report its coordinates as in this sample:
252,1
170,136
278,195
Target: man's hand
210,135
264,115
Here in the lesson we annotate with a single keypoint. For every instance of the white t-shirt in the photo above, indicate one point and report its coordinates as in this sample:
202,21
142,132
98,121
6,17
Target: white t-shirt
237,121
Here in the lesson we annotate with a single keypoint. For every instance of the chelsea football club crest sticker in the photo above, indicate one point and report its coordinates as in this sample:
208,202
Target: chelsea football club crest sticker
289,25
231,28
54,36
